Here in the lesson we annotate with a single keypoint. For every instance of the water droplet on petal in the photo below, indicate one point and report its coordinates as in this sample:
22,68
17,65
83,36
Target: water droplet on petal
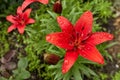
110,36
82,50
84,55
66,61
89,31
63,71
82,34
61,22
48,38
88,48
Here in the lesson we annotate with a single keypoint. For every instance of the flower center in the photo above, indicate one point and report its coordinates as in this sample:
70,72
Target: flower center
77,40
20,20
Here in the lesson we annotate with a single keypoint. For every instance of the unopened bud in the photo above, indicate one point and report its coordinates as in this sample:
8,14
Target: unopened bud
51,58
57,7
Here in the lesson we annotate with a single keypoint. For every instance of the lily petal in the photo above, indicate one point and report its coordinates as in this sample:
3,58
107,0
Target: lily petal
60,39
91,53
26,3
65,24
11,28
84,23
21,29
69,60
11,19
43,1
19,10
27,12
99,37
30,21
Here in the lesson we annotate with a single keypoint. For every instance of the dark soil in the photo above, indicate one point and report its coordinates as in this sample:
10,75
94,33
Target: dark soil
113,26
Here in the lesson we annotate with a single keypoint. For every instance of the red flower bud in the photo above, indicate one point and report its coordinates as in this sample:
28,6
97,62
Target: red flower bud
51,58
57,7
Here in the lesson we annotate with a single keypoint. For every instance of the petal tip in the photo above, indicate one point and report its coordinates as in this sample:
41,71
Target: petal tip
48,37
111,36
63,71
59,18
102,61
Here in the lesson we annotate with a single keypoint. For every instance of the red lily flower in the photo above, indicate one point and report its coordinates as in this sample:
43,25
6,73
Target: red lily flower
20,20
78,40
28,2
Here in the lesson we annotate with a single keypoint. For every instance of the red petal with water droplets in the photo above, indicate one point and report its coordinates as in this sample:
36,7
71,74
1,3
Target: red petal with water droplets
11,19
21,29
19,10
91,53
30,21
69,60
65,24
11,28
84,23
26,3
60,39
43,1
99,37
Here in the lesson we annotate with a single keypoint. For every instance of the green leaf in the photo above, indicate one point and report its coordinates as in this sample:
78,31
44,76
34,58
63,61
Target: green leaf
52,14
76,72
87,71
2,78
117,76
24,75
23,62
111,44
67,76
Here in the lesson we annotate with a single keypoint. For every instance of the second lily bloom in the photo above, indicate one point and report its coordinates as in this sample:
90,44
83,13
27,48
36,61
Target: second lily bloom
20,20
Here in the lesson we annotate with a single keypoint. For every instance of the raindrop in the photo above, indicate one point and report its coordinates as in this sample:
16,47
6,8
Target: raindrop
84,55
82,50
63,70
89,31
88,48
48,38
109,36
66,61
61,22
82,34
